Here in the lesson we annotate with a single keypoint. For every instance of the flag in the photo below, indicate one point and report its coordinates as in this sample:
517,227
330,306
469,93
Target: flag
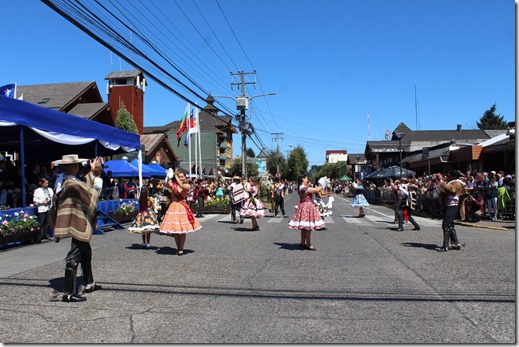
186,142
9,90
183,123
194,125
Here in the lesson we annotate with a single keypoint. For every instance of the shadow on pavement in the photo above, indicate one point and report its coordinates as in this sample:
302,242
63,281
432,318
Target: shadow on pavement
288,246
421,245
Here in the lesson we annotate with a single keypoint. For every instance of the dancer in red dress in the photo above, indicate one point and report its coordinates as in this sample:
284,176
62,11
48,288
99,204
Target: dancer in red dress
307,217
179,219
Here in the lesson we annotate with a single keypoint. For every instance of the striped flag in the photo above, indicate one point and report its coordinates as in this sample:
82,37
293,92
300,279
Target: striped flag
183,123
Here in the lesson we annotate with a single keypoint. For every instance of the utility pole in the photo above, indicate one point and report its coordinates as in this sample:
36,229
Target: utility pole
242,104
277,136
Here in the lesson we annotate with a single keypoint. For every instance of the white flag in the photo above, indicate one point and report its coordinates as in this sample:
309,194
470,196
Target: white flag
194,124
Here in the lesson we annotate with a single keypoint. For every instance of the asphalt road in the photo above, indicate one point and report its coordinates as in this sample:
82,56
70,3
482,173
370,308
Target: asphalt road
366,283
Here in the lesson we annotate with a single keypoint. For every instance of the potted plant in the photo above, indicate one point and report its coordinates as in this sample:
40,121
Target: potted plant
125,212
18,227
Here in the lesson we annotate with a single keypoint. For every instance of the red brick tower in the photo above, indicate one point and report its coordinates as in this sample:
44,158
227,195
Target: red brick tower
127,86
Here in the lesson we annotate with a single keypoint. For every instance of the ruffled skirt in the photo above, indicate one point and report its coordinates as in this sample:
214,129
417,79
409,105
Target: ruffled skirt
252,208
144,223
306,217
359,201
176,220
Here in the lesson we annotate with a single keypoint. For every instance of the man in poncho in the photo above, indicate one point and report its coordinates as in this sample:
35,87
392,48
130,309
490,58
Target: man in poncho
74,213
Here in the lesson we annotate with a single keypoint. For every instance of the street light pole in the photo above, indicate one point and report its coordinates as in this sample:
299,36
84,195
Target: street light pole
399,137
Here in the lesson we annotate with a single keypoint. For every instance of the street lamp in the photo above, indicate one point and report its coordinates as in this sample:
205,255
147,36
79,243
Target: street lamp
399,137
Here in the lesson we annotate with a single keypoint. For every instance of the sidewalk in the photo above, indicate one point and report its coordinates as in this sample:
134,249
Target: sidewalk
500,224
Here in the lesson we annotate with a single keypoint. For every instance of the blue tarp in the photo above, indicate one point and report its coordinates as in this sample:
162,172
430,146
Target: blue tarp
34,116
122,168
155,170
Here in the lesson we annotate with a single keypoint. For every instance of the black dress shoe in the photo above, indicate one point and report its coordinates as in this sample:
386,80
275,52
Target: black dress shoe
92,288
73,298
400,229
417,229
443,249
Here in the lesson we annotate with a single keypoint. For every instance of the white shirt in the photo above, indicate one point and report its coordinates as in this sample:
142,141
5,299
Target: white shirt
40,195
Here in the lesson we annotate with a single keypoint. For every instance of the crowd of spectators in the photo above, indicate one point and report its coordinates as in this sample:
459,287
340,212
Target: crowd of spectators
491,195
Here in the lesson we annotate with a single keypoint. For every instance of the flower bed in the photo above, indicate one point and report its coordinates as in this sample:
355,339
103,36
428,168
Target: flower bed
126,212
122,218
18,227
215,205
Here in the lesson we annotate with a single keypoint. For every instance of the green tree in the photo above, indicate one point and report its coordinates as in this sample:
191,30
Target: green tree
275,159
252,168
297,163
491,121
125,120
250,153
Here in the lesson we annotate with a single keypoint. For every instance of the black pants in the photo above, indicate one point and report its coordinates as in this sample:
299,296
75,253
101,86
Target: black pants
200,206
449,232
80,253
279,202
400,205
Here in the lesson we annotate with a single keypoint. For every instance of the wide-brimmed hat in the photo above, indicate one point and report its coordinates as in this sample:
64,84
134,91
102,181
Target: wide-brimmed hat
236,178
69,159
403,179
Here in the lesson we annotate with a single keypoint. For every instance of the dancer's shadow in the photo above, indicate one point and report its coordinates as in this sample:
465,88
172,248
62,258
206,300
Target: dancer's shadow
166,250
244,229
135,246
420,245
288,246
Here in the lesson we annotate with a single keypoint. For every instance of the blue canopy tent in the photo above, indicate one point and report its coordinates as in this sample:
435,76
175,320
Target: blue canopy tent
45,134
122,168
158,169
155,170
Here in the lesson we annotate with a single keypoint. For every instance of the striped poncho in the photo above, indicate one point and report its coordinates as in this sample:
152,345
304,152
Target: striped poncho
74,211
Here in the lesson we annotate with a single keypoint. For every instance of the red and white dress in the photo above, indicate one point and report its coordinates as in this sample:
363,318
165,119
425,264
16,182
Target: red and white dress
306,216
253,206
179,218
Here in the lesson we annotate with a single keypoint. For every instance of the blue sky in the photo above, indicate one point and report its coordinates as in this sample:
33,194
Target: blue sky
330,63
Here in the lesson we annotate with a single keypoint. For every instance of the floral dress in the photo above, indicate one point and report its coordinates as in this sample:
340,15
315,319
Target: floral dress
146,221
253,207
306,216
179,218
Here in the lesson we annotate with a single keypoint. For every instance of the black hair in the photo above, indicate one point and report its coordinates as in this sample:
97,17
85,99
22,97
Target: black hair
300,180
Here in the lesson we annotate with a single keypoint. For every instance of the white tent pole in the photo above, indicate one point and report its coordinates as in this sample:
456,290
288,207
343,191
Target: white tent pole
140,168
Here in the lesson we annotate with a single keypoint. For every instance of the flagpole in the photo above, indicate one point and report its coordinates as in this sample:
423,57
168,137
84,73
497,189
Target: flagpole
198,137
189,150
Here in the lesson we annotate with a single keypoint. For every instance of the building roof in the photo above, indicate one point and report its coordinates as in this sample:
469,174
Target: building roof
335,151
56,96
87,110
123,74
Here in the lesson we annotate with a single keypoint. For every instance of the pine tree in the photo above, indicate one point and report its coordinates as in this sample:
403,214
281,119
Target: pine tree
491,121
125,120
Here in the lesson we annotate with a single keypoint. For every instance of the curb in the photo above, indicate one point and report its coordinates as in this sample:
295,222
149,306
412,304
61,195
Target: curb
480,226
